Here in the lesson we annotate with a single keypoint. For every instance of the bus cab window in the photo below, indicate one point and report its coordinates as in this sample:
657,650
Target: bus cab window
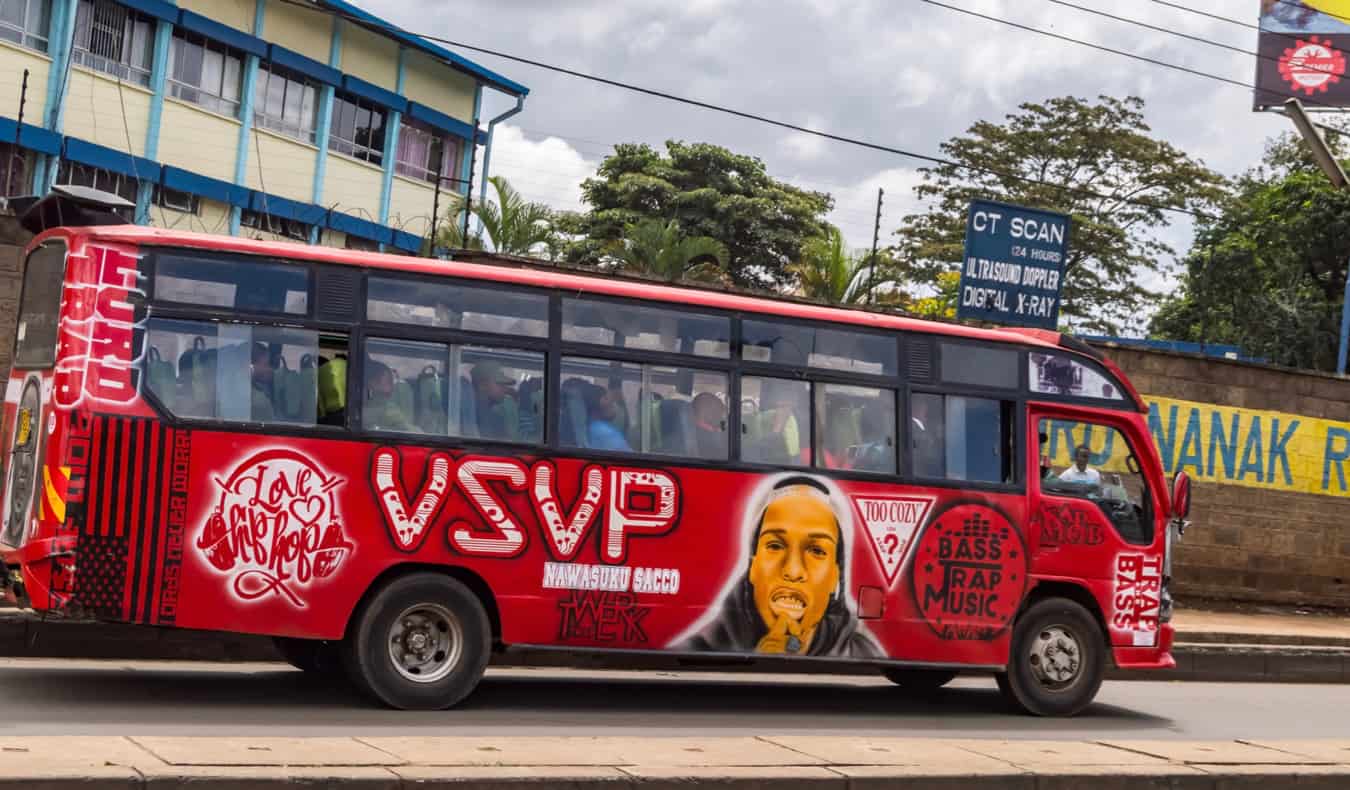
1095,462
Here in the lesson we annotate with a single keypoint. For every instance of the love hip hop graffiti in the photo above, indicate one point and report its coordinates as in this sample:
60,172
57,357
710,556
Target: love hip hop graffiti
100,343
626,501
275,529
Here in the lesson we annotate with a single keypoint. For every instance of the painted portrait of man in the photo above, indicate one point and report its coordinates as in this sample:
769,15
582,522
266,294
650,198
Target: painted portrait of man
791,598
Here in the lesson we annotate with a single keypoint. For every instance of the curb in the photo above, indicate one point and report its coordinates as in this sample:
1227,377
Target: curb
24,637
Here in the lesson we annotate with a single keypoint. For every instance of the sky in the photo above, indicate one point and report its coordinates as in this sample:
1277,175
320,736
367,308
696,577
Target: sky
903,73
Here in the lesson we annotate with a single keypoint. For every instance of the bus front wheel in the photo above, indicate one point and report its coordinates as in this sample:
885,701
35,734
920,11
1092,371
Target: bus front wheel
1057,661
421,643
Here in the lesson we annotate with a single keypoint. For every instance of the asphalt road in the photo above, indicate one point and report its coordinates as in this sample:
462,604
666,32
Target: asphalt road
54,697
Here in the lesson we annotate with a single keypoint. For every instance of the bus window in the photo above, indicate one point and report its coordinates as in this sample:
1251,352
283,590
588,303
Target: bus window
775,421
960,438
980,366
650,409
811,346
1058,374
36,334
452,306
855,428
233,372
453,390
1095,462
645,327
245,285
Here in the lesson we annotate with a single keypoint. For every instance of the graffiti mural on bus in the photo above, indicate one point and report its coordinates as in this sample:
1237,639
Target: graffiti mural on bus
969,572
624,502
792,596
1136,600
275,529
100,341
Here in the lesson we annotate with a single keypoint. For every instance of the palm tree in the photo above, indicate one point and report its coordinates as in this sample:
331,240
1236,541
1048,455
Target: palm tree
828,272
513,225
660,249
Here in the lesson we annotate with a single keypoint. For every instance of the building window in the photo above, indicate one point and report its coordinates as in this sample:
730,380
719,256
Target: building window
358,129
361,245
285,102
177,200
115,40
271,223
75,174
26,22
14,163
205,73
422,152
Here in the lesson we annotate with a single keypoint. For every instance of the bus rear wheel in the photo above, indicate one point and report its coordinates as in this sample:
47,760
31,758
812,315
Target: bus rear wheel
421,643
919,679
1057,661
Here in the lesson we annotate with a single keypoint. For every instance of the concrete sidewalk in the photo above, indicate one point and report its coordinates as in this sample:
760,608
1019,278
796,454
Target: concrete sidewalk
612,763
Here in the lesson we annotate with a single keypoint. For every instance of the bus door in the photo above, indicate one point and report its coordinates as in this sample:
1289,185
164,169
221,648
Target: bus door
1092,518
27,395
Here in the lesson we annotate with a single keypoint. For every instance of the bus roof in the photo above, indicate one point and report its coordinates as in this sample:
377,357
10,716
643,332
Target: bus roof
514,271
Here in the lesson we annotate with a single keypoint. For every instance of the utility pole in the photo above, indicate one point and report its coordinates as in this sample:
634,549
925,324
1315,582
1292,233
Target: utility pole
18,133
435,211
1327,161
876,239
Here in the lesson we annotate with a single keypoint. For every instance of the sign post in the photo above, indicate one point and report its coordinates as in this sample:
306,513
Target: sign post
1014,265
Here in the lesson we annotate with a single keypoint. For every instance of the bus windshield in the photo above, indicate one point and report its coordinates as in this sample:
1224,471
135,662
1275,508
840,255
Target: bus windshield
36,346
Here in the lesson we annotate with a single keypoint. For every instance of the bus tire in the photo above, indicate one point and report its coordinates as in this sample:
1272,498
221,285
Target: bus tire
313,656
1057,660
422,642
914,679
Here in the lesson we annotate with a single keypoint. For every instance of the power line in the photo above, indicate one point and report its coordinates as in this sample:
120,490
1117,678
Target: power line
929,158
1197,12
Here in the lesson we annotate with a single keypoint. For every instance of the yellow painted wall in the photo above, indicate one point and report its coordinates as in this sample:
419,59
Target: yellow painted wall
198,141
438,86
13,60
368,56
308,32
350,185
238,14
333,238
212,217
94,111
1221,444
410,205
287,166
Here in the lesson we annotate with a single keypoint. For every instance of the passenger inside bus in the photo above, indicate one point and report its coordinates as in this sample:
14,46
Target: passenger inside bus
710,426
876,452
382,410
601,411
263,373
495,406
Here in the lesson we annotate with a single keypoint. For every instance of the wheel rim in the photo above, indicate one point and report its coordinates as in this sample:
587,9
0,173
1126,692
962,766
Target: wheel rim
1056,657
425,643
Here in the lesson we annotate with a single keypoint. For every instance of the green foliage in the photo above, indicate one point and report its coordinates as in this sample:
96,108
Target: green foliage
829,272
1073,147
660,249
513,225
709,191
1269,274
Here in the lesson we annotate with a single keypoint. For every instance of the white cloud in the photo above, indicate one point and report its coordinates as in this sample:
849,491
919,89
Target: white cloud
547,170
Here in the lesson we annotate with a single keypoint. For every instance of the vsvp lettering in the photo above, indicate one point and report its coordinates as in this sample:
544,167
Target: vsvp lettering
628,502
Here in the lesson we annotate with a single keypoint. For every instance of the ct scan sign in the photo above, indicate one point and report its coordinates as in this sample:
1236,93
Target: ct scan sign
1014,265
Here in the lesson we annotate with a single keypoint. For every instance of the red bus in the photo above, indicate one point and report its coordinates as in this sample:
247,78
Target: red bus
405,468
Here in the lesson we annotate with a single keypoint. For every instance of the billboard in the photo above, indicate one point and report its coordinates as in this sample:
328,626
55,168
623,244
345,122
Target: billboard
1302,53
1014,265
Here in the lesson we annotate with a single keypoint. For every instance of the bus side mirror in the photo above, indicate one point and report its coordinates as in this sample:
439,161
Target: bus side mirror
1181,496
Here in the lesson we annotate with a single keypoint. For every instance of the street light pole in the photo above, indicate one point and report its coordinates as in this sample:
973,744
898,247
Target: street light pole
1327,161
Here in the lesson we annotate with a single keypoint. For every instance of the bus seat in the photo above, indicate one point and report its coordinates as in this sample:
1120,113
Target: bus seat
677,428
162,377
430,413
531,408
572,425
286,391
403,398
468,409
332,377
308,388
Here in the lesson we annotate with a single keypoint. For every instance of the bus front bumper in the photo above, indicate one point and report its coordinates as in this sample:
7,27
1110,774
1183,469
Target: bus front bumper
1157,657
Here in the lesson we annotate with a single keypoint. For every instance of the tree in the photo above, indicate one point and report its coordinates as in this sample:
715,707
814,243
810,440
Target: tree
1094,161
513,225
943,303
829,272
709,191
660,249
1269,273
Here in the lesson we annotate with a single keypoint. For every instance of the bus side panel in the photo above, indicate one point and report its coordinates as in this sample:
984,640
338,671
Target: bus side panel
246,533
